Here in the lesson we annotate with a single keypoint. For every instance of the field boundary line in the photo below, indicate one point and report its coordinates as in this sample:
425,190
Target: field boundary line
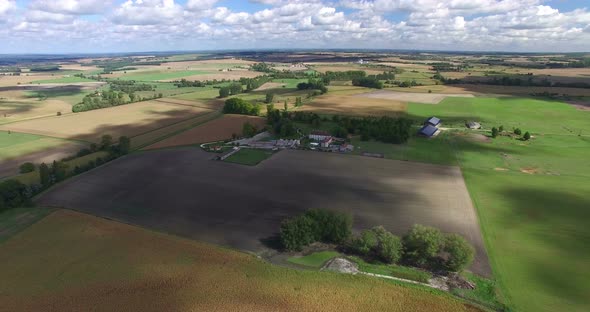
198,121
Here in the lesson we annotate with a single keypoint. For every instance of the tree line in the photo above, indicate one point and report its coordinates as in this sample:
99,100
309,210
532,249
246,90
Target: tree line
384,129
240,106
120,93
422,246
15,194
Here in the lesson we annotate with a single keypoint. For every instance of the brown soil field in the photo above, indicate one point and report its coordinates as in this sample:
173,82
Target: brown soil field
215,130
213,104
581,105
10,81
71,66
231,205
130,120
425,98
354,105
70,261
270,85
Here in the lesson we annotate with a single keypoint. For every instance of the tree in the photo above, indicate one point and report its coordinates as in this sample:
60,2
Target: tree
422,244
527,136
389,247
330,226
124,145
298,101
59,170
13,194
27,167
297,233
501,129
269,98
235,88
106,141
249,130
340,132
517,131
224,92
460,253
286,106
44,175
365,243
494,132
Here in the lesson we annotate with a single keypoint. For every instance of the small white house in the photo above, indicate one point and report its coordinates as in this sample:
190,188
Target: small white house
319,135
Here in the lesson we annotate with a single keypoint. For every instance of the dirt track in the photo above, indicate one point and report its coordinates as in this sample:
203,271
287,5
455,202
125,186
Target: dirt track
182,191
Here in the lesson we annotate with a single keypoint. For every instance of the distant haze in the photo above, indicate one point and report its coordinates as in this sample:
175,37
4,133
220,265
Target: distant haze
97,26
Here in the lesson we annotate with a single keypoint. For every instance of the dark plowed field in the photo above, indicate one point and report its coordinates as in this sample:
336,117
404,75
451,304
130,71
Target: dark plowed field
183,192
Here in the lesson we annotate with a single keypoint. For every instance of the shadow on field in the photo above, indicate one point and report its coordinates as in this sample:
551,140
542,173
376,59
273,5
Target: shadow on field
10,108
557,221
181,191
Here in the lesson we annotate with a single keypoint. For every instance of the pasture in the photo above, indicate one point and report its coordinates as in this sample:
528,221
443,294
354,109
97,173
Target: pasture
531,197
92,263
216,130
18,148
130,120
232,205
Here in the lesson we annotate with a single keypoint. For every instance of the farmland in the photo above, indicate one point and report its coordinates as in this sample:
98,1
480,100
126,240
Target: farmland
18,148
530,197
92,262
215,130
130,120
394,194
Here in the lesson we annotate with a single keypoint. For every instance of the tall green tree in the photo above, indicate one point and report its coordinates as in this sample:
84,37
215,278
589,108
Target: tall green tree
422,244
44,175
224,92
460,252
124,145
269,98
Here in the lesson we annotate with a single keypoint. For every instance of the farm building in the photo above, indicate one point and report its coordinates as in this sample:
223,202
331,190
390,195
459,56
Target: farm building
433,121
473,125
326,142
429,131
319,135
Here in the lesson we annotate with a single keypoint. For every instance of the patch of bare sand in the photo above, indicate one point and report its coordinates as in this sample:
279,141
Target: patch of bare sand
270,85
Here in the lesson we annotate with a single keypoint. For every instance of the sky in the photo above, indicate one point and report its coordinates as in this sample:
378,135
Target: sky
99,26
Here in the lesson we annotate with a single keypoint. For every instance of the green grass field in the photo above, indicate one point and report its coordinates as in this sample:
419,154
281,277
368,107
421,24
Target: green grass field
315,260
17,144
532,197
70,79
161,75
249,156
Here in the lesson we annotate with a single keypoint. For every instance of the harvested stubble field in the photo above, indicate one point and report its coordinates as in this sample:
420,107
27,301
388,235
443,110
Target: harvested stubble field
12,109
130,120
229,204
216,130
425,98
354,105
94,264
340,67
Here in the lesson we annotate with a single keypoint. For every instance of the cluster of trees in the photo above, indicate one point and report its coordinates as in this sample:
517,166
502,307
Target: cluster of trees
240,106
343,75
422,246
316,225
514,80
517,131
249,130
448,67
280,122
14,194
130,86
262,67
233,89
384,129
109,98
313,84
44,68
407,83
368,82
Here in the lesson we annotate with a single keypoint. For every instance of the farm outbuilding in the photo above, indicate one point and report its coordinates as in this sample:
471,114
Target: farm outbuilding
433,121
473,125
429,131
319,135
